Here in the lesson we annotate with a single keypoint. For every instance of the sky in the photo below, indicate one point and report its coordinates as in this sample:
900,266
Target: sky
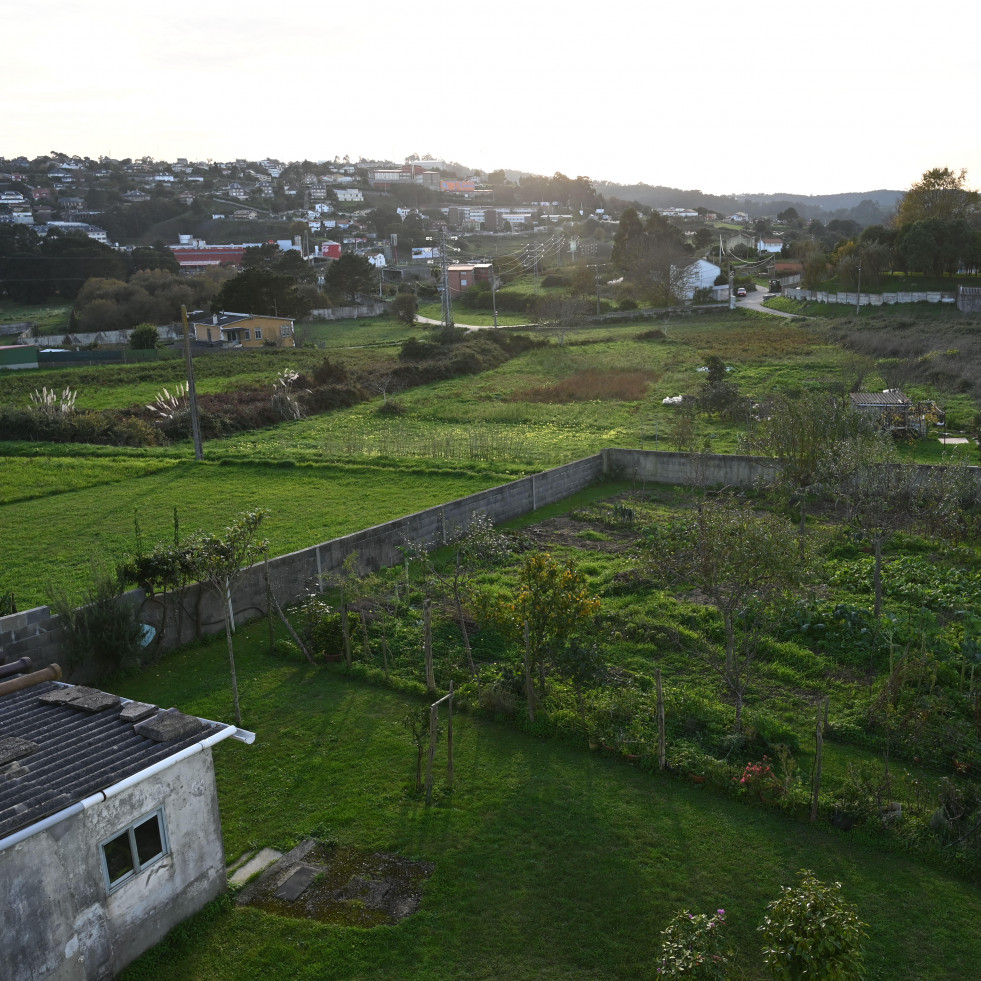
811,98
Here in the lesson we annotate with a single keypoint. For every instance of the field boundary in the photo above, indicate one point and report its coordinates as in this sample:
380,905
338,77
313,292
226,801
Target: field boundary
39,634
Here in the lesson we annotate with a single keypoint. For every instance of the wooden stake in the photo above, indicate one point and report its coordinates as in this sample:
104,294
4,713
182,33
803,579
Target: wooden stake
427,640
818,747
433,733
662,753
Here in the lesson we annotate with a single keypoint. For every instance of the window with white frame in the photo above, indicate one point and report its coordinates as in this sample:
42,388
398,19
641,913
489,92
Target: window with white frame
258,333
285,330
133,849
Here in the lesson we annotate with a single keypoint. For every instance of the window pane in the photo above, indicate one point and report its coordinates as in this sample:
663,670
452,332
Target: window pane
149,843
119,858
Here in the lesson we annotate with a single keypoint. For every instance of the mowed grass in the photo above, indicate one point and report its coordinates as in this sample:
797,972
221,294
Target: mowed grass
550,862
54,541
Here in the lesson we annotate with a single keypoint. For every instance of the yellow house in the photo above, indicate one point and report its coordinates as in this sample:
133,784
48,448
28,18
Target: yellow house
242,329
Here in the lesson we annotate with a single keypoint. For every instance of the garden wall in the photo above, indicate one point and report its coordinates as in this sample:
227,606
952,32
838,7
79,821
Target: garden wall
37,634
871,299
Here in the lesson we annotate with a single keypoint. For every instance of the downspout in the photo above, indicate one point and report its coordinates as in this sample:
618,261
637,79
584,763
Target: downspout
243,735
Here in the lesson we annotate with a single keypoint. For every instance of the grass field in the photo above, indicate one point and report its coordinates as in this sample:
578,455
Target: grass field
73,505
86,514
550,862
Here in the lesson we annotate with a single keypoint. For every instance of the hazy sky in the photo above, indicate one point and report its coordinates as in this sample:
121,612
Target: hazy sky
810,98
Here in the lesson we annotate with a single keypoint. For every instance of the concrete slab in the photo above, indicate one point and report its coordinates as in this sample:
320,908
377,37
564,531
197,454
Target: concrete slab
258,862
298,881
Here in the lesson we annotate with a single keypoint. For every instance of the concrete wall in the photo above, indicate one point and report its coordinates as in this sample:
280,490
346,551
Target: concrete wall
59,921
871,299
37,634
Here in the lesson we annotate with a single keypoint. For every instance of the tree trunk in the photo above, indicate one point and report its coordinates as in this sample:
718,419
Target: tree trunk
529,680
818,749
463,628
877,575
231,664
346,634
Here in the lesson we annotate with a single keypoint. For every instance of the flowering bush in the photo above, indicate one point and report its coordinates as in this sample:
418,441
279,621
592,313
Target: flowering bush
693,947
760,778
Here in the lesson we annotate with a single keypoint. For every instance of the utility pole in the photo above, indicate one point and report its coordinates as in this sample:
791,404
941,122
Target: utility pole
447,301
192,394
858,296
732,293
596,274
493,278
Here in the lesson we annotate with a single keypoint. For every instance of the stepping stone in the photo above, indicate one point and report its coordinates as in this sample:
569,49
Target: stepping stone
256,863
295,885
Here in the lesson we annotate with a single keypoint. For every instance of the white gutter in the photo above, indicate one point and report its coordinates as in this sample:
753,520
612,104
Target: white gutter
99,796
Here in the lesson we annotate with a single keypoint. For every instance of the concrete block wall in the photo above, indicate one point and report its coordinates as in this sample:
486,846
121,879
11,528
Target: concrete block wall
37,634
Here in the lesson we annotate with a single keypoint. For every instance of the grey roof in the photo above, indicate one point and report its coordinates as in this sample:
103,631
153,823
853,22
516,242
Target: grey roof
62,743
886,399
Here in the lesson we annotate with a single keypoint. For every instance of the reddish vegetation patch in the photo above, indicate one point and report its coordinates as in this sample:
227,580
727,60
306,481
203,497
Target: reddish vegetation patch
592,386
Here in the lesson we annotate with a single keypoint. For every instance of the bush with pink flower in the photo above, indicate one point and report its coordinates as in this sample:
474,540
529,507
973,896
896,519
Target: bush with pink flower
693,946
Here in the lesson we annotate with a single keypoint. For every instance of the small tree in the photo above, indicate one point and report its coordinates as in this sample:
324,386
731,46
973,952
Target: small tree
739,561
811,934
416,724
220,561
552,604
145,337
403,307
802,437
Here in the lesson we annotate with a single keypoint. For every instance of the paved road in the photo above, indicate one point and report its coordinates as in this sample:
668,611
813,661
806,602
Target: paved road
754,301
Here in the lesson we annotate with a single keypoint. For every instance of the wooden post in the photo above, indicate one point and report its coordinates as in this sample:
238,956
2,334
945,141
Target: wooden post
427,641
449,737
662,753
818,747
433,733
826,701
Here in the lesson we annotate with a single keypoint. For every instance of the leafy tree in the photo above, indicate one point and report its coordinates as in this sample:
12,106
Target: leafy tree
652,256
349,275
811,934
552,604
220,561
739,561
940,193
788,215
403,307
145,337
802,436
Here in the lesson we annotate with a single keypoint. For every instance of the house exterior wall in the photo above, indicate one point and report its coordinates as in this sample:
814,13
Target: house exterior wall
60,923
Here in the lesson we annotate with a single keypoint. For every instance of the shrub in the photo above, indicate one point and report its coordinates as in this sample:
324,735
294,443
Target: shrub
145,337
693,947
811,934
320,628
103,635
627,304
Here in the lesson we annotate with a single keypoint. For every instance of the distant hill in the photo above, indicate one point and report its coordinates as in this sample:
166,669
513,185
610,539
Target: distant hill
872,206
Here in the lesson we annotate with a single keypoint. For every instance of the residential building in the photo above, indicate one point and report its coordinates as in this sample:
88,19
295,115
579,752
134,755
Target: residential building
241,329
110,833
461,276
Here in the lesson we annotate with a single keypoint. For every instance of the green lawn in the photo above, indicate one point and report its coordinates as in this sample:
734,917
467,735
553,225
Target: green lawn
551,862
82,521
